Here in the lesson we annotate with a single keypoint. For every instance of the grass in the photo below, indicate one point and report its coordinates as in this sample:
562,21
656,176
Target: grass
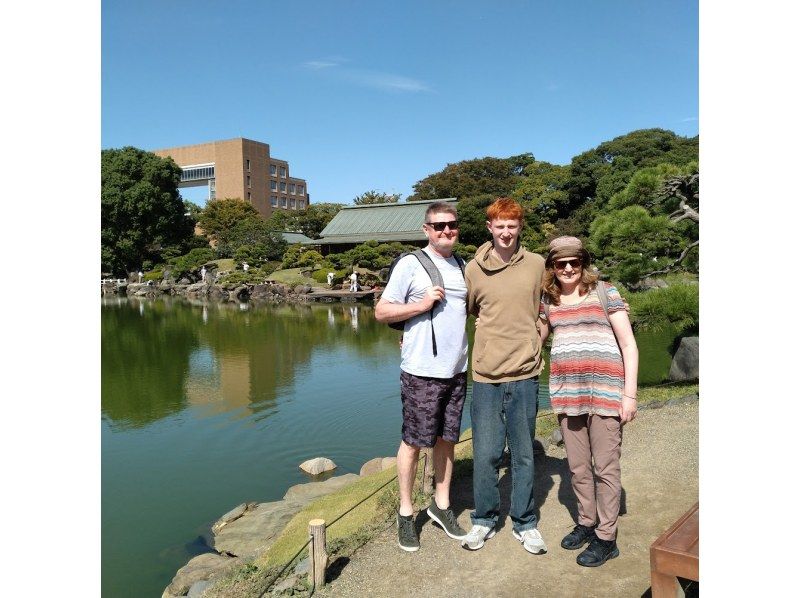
372,517
225,264
293,277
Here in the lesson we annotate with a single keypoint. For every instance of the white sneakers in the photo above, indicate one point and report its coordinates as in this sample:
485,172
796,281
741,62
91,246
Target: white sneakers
531,541
477,537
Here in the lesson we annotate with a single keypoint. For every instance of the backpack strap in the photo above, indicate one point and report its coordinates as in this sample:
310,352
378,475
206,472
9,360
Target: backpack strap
602,295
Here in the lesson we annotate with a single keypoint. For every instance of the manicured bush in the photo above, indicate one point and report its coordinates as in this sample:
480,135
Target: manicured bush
184,264
678,304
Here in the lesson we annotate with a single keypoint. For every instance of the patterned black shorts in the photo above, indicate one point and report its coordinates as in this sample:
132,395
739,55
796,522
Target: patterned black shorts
431,407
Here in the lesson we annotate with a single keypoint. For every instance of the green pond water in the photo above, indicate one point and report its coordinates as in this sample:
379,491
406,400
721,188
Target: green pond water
206,406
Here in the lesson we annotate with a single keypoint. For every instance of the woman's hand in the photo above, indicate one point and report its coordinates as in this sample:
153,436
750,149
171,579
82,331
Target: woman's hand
627,410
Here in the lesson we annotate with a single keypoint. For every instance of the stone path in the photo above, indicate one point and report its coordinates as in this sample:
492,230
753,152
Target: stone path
660,482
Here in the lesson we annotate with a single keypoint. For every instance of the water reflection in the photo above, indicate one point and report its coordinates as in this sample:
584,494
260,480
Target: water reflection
219,357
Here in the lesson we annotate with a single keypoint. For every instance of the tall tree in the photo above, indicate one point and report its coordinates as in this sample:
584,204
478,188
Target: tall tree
470,178
605,170
374,196
221,215
141,211
310,221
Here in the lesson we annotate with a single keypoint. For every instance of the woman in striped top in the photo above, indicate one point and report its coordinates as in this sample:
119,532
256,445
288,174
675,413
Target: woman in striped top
593,368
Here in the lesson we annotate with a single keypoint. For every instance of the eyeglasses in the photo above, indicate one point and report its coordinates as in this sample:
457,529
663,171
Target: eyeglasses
575,263
439,226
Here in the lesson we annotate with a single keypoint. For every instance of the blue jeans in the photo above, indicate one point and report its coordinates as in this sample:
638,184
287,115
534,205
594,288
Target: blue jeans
505,409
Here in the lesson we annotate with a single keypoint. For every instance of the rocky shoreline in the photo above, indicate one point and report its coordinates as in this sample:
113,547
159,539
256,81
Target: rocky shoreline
268,292
245,532
248,530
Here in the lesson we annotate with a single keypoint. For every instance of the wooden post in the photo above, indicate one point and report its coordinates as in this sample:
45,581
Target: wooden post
317,552
427,471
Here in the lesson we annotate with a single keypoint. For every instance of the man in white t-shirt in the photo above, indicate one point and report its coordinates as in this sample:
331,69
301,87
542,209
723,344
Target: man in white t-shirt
433,382
353,282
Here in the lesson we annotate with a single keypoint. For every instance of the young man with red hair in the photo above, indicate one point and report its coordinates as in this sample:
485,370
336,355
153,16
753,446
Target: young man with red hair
504,284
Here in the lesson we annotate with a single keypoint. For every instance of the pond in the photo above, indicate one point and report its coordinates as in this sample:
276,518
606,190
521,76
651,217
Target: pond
206,406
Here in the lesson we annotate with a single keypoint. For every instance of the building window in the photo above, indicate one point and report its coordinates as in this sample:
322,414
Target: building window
293,203
301,203
248,181
273,170
283,172
283,187
300,189
273,200
248,165
283,202
292,188
273,185
248,196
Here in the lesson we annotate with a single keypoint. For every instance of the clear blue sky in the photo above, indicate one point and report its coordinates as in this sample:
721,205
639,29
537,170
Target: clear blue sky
361,95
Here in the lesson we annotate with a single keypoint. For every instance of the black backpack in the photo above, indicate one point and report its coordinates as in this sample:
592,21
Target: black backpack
436,278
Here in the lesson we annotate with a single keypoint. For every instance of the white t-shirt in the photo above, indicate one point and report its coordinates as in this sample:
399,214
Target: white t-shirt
408,284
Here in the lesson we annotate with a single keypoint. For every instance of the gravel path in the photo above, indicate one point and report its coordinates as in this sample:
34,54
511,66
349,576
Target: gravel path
660,482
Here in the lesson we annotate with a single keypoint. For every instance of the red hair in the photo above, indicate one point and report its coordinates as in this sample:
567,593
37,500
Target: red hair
504,208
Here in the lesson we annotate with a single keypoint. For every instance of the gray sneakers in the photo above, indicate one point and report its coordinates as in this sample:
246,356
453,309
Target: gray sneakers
477,537
407,537
531,540
447,520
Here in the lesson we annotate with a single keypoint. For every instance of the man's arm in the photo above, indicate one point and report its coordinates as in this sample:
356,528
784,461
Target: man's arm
388,312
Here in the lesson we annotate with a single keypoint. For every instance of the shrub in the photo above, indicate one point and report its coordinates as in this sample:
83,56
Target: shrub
155,275
321,275
191,261
678,305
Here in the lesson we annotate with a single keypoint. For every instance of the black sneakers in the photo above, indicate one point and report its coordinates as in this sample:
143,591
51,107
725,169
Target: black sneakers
598,552
577,537
446,519
407,533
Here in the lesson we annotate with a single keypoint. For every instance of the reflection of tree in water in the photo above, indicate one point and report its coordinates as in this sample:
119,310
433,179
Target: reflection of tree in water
176,354
276,341
144,360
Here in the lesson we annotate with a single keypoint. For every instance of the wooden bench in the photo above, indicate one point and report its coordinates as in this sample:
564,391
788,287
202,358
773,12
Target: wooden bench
676,554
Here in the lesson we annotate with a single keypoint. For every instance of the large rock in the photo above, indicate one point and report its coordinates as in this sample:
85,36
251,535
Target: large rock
252,533
305,493
233,515
317,465
377,465
686,363
201,567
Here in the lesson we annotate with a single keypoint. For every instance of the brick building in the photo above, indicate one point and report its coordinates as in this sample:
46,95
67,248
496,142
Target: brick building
240,168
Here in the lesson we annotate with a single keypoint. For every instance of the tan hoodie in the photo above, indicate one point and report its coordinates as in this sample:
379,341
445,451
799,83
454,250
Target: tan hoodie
506,296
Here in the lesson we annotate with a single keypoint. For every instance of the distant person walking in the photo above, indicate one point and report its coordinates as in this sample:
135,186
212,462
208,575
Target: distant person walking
245,266
353,282
140,275
203,273
593,372
330,278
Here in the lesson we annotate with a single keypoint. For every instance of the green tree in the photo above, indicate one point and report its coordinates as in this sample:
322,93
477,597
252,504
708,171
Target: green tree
469,178
263,243
316,217
542,191
220,216
605,170
141,211
374,196
310,221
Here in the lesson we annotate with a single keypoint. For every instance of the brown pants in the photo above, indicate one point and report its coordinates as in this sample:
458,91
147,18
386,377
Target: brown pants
585,437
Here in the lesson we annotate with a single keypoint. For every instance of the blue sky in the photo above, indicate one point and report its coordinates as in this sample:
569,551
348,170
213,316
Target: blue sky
366,95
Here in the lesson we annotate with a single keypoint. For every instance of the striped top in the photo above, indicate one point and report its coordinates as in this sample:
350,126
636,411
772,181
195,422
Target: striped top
586,370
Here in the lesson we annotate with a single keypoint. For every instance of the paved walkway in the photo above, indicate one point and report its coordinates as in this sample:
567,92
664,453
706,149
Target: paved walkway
660,482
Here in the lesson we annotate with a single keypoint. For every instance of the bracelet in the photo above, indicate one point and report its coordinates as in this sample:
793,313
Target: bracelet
629,396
